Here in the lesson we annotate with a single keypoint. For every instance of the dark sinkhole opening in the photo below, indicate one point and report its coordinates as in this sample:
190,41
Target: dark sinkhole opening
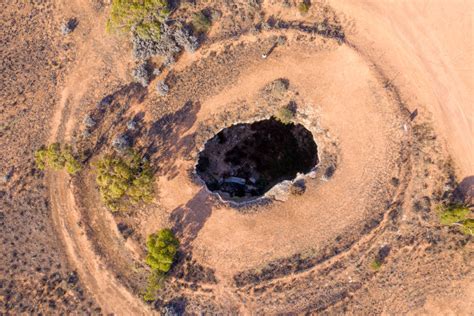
246,160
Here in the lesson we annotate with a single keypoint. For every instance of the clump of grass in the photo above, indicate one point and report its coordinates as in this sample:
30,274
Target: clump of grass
201,23
143,17
162,248
124,179
57,157
303,7
457,215
376,264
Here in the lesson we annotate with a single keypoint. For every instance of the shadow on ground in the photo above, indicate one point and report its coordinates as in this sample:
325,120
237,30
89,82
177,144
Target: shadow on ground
167,142
189,219
108,115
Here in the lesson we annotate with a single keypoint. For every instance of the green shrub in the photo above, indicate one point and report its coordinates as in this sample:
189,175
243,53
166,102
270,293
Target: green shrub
57,158
201,23
123,179
376,264
468,227
162,248
49,157
303,7
457,215
144,17
71,164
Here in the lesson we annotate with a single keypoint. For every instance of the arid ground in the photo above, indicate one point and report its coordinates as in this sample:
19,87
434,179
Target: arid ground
385,87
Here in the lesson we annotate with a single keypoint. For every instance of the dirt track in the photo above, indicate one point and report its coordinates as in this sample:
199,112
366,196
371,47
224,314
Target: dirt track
112,295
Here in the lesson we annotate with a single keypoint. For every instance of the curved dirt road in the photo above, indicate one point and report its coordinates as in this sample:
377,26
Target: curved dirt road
109,293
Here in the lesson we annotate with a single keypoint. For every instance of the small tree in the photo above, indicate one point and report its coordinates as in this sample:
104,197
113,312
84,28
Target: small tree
122,179
49,157
201,23
143,17
162,248
71,164
57,158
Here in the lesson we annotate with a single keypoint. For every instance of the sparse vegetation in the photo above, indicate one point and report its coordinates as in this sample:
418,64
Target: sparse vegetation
124,179
174,36
285,115
162,248
303,7
57,158
457,215
185,39
201,23
144,18
165,46
154,283
277,88
142,74
132,125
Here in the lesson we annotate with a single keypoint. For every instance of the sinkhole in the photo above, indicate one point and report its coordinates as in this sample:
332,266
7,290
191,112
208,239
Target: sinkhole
246,160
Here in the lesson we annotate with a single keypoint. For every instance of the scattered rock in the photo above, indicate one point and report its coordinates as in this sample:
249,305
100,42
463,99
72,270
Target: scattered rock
329,172
162,88
132,125
8,175
72,278
124,229
106,101
280,192
395,182
121,143
69,26
89,122
383,253
298,187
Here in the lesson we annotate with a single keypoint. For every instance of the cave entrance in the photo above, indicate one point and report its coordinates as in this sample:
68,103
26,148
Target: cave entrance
246,160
